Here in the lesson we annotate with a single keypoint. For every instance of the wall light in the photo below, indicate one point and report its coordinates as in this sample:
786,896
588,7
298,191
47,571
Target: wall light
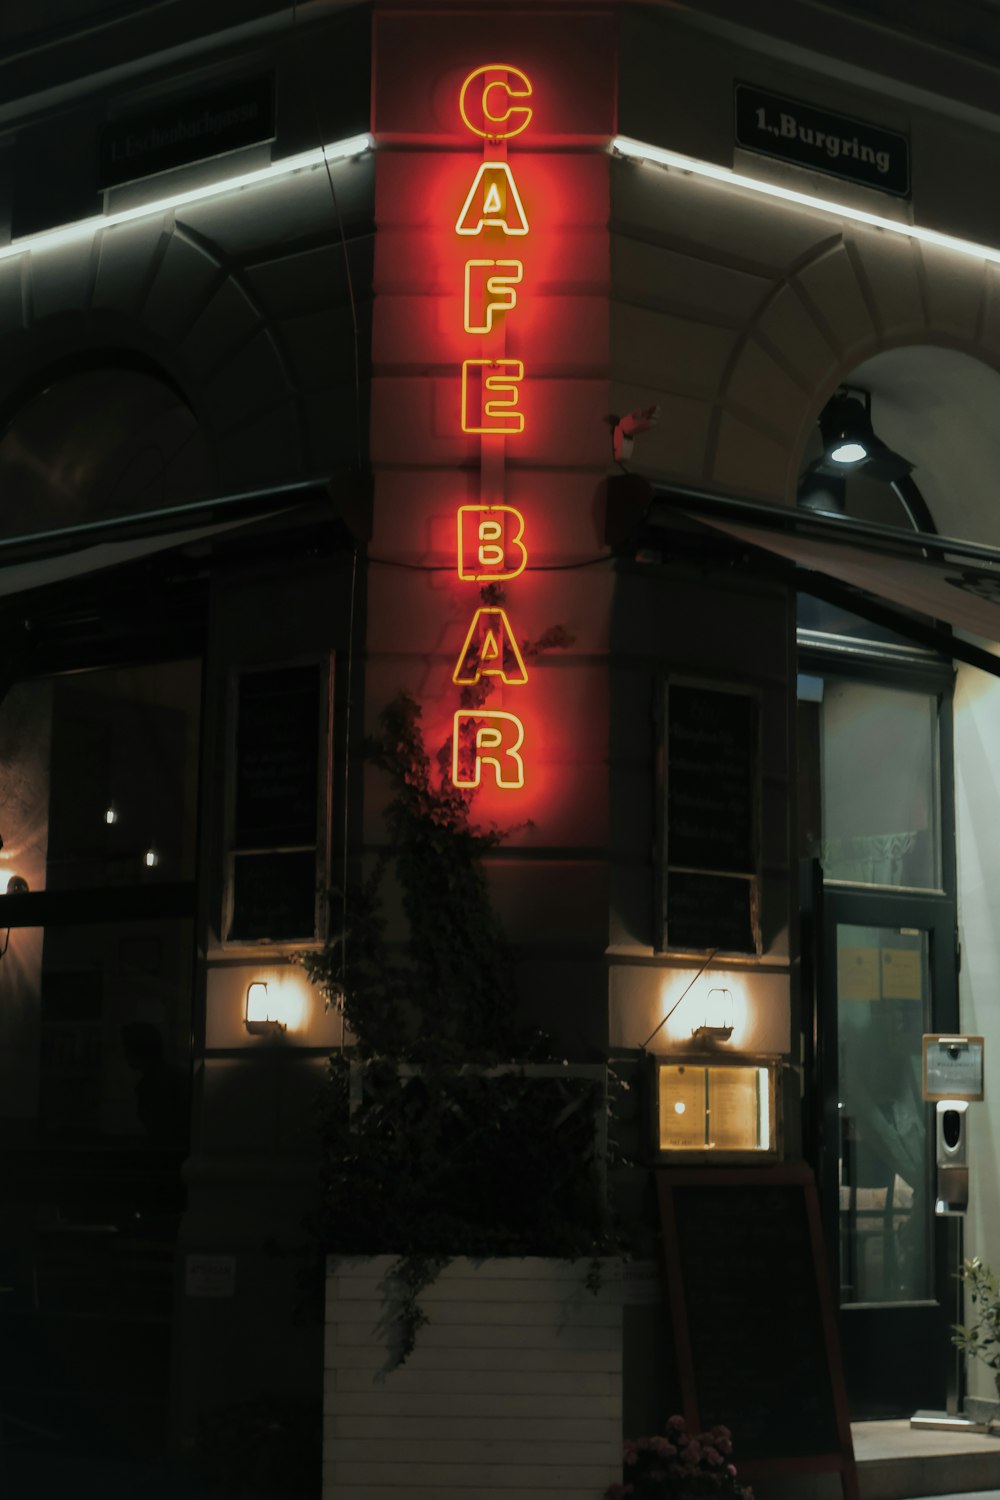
643,151
718,1017
150,859
16,885
259,1017
64,234
850,442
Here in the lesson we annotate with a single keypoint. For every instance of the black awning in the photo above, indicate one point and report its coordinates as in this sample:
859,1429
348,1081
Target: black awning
878,572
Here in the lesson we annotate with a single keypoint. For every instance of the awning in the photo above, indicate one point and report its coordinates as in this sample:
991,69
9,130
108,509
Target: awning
32,562
878,572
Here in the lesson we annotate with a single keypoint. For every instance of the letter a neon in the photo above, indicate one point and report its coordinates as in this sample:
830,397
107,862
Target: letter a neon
493,202
490,650
496,739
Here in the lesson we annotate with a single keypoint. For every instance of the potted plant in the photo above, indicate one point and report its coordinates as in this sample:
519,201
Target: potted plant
463,1179
980,1339
680,1465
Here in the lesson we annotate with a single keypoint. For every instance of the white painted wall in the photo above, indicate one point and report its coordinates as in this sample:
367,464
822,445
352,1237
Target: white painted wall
977,810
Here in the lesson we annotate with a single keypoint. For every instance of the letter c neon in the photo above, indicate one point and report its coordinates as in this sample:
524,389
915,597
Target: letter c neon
516,117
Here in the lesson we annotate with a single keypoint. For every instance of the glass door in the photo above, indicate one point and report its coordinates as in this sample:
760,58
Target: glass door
888,977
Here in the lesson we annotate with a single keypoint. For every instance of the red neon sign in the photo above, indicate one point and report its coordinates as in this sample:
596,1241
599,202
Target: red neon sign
490,287
490,650
493,202
479,101
490,537
489,395
490,546
496,738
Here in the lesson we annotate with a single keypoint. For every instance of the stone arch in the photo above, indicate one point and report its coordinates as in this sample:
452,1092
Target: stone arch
862,301
94,438
240,306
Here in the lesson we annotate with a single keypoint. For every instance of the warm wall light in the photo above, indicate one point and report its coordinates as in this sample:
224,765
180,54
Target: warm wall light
150,859
258,1017
16,885
718,1019
110,816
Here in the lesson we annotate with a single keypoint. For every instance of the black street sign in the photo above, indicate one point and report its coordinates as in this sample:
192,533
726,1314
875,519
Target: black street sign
189,129
838,145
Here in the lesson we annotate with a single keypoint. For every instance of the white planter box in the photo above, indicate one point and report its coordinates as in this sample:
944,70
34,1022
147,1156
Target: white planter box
512,1393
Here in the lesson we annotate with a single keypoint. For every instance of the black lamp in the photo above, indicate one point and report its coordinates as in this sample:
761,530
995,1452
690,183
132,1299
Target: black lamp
851,446
846,427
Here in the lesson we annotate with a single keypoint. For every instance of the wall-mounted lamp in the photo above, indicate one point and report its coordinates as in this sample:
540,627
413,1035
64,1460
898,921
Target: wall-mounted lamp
850,444
150,859
718,1019
259,1018
110,815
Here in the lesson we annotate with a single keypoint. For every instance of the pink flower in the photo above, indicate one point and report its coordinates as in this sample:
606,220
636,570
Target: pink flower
662,1447
712,1455
731,1470
630,1453
691,1453
678,1424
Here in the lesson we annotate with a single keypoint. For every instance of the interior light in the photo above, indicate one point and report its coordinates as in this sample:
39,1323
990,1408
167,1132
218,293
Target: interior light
150,859
110,816
275,171
259,1016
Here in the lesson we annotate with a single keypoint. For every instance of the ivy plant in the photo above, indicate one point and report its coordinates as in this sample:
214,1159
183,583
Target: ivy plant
439,1139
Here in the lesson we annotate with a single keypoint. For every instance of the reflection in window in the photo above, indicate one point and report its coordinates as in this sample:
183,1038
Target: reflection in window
883,1009
874,816
95,1034
98,777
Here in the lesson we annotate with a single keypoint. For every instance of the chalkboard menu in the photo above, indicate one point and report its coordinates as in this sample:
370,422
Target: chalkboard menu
277,811
710,819
753,1322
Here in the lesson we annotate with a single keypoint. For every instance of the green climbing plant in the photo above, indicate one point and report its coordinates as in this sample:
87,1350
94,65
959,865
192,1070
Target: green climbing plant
448,1127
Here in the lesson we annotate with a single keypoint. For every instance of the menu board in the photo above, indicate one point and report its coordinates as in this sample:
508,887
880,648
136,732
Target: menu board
710,819
752,1318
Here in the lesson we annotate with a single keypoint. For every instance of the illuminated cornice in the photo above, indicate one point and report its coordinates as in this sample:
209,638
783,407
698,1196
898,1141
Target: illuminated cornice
83,229
640,151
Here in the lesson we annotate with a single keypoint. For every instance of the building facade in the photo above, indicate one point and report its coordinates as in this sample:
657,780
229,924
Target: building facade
430,349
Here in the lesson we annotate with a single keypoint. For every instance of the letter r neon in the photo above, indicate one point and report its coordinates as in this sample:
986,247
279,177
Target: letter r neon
496,739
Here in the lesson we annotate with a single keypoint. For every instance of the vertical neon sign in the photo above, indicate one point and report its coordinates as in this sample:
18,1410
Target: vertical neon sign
490,540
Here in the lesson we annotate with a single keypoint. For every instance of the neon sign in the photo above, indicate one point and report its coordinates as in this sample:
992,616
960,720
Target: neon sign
497,738
490,546
489,288
489,395
493,202
490,538
518,115
490,650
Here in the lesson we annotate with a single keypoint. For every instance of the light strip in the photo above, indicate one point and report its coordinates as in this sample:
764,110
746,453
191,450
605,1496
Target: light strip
640,151
82,229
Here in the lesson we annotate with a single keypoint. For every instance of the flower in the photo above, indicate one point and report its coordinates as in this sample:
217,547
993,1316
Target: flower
679,1464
